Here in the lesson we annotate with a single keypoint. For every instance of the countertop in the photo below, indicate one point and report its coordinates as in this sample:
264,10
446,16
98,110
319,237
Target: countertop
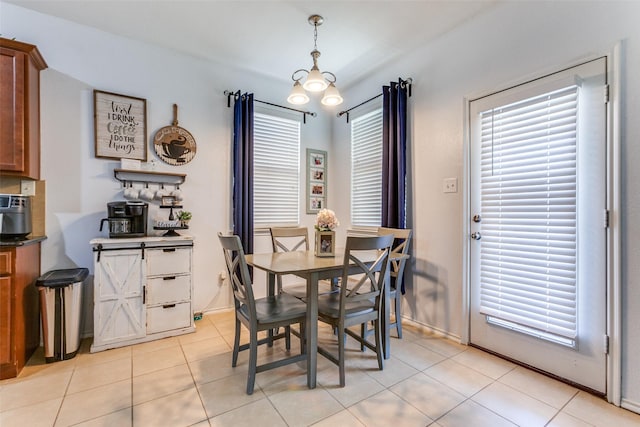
28,241
182,239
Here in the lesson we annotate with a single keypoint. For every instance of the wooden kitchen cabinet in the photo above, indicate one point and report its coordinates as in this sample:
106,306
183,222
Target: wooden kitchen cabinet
20,66
19,307
142,290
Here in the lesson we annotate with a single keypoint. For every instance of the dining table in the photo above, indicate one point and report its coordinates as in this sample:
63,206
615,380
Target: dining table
312,268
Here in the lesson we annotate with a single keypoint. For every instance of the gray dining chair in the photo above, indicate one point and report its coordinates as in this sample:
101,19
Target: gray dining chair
397,261
402,240
260,314
360,301
288,239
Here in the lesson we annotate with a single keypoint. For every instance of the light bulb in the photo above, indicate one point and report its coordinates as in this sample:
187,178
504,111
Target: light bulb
297,95
331,96
315,81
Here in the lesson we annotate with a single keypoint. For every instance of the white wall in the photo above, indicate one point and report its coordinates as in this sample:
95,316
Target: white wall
508,44
504,45
79,185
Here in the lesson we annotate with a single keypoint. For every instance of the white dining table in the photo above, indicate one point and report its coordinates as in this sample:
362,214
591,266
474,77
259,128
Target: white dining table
312,268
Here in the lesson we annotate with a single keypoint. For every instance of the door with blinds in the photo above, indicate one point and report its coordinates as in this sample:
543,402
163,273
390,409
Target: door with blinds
538,258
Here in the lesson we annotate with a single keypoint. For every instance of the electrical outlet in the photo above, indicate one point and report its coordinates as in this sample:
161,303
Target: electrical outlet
450,185
28,188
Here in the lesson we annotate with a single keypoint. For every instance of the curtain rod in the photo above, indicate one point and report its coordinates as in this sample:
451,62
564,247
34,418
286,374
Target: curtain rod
230,93
404,83
353,108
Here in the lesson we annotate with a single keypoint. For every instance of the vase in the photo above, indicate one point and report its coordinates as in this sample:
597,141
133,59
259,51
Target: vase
325,243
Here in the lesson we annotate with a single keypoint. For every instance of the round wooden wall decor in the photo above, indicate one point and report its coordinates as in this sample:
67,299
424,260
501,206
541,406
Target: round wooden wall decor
173,144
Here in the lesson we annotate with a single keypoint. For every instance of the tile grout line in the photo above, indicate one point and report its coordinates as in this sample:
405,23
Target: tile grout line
195,385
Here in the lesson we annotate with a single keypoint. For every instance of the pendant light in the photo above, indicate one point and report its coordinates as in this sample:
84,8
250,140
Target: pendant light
316,80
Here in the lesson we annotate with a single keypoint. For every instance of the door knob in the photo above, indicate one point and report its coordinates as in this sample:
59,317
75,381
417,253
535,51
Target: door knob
476,218
476,236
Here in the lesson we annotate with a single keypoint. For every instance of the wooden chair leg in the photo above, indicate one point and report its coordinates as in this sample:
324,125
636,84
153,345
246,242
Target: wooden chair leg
379,350
341,339
236,344
303,343
287,337
253,361
398,304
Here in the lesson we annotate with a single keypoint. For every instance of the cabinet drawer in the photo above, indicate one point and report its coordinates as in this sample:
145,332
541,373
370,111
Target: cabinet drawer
168,289
168,261
169,316
5,262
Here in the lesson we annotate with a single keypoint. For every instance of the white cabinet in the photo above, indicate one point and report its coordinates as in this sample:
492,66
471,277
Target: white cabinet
142,290
168,289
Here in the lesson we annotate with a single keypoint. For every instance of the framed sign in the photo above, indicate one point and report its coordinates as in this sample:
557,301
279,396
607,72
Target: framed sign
120,126
316,180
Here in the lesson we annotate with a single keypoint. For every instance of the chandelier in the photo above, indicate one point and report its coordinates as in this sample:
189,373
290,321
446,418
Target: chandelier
316,81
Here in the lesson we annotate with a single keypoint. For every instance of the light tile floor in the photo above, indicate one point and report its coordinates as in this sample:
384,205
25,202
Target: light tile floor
188,381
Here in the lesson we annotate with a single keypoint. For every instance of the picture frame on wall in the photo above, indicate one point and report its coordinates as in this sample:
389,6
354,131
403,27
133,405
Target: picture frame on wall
316,180
120,124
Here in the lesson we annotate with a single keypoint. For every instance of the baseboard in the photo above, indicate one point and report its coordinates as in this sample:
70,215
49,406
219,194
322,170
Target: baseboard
217,310
630,405
437,331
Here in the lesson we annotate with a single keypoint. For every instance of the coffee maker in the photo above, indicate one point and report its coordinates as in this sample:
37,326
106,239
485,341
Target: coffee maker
126,219
15,216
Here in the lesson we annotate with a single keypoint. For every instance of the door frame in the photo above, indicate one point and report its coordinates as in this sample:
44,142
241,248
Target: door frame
613,234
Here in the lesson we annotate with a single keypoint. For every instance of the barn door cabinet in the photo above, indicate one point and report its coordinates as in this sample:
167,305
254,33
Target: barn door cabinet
142,290
20,66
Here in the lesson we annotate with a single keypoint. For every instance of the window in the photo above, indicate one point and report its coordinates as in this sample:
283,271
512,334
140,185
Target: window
276,168
366,169
529,215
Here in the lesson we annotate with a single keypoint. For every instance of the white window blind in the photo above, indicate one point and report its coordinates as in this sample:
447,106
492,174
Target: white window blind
276,161
366,169
528,219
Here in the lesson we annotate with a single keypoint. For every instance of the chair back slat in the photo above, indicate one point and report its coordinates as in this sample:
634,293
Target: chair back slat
288,239
238,271
402,238
372,274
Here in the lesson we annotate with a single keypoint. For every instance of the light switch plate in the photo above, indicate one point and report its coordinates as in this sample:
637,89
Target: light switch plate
450,185
28,188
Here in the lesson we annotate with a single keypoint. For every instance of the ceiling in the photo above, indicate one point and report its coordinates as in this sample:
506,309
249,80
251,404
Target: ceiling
272,37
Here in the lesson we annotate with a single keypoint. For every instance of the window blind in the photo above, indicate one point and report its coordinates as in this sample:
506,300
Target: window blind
528,215
366,169
276,169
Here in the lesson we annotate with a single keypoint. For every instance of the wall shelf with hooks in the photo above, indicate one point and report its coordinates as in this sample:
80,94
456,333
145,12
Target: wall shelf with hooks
128,175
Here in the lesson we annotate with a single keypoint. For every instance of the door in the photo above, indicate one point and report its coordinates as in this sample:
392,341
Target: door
120,276
538,290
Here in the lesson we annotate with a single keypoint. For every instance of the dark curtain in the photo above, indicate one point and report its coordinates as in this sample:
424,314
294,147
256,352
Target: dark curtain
243,169
394,160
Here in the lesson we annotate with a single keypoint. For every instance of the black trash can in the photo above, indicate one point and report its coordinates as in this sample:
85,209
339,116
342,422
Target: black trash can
61,306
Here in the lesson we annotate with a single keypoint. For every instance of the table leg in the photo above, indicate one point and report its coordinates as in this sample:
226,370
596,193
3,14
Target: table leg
386,319
312,329
271,290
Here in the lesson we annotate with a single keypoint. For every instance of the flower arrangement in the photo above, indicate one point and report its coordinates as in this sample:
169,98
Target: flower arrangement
326,220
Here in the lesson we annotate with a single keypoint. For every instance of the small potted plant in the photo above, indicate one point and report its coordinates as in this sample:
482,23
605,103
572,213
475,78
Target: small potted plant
184,217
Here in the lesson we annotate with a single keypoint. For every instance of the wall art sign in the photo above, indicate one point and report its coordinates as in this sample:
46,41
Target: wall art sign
316,180
120,123
174,144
